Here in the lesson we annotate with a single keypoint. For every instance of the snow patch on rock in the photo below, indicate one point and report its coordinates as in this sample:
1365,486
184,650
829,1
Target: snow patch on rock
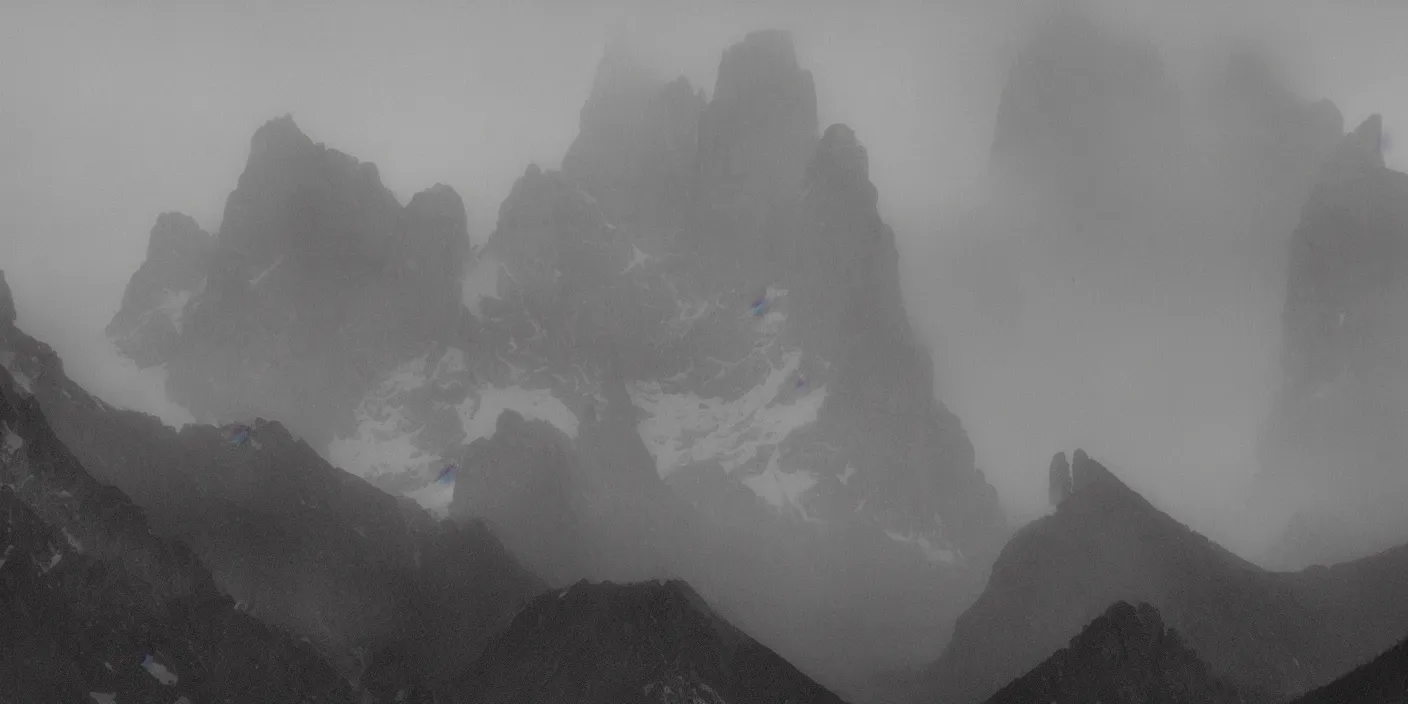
935,554
384,442
781,489
681,429
434,497
7,360
13,443
261,275
480,282
159,671
480,414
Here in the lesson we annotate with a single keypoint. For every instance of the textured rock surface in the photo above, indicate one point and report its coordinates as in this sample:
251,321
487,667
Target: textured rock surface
798,439
317,282
1268,633
386,593
646,642
1125,656
87,590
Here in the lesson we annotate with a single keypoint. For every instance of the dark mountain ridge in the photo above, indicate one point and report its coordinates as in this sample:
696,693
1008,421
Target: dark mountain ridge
656,642
1126,656
383,590
1270,634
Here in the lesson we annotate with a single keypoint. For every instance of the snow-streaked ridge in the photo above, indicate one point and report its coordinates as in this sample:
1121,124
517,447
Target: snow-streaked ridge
681,429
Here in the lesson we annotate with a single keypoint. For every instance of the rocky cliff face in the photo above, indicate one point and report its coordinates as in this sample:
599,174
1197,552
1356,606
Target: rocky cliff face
648,642
703,305
1333,448
1126,656
95,602
317,282
147,327
1270,634
388,594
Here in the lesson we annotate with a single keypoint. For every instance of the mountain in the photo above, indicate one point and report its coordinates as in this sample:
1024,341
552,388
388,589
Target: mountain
1383,680
317,280
1149,206
1333,448
390,595
97,605
645,642
1125,656
1270,634
726,395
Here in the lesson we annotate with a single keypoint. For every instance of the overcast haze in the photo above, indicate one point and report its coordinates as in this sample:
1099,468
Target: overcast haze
113,112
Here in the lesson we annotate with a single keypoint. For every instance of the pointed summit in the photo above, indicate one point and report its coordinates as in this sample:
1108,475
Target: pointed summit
177,236
757,134
1362,148
279,136
1125,656
609,640
634,150
841,162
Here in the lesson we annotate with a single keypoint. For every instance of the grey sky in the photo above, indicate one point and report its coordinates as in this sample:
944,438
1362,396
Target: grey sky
112,112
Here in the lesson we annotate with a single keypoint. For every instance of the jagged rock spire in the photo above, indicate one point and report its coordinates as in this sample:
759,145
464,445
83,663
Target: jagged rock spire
757,134
1060,479
7,302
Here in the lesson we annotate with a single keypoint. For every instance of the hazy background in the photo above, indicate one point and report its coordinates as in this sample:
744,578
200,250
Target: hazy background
114,111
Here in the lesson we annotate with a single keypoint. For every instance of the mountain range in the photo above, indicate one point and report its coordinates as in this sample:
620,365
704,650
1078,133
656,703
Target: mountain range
669,434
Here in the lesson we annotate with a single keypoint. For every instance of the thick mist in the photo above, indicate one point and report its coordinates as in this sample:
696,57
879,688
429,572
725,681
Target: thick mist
113,113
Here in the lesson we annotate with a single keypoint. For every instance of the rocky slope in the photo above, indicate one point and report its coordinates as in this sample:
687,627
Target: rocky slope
1276,634
97,605
646,642
615,302
390,595
1125,656
1383,680
1333,447
317,282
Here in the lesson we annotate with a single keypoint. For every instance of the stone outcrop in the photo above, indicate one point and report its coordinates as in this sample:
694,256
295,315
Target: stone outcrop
317,281
1059,479
147,328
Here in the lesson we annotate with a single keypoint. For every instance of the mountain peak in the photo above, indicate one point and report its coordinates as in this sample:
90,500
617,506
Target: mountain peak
842,159
1125,656
1366,141
619,641
175,235
279,136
